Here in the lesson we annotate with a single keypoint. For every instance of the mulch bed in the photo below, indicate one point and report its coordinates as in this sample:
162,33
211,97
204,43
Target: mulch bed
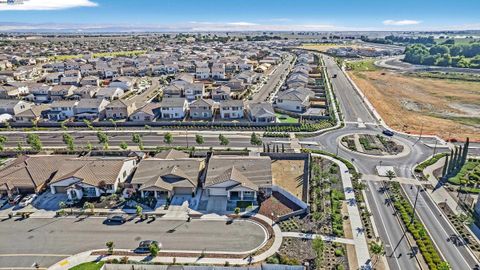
277,204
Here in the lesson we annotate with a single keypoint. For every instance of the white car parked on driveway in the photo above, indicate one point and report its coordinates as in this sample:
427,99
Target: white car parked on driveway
27,200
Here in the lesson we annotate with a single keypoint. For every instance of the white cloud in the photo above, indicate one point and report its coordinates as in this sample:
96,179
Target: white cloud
47,4
400,22
241,24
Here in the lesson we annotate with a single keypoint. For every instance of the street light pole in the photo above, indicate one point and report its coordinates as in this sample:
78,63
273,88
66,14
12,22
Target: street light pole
186,136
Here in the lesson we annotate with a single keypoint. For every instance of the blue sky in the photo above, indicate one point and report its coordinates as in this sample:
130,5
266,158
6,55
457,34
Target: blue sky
244,14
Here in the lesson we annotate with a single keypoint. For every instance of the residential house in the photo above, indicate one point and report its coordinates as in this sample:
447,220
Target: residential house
85,92
32,115
238,178
202,109
59,92
173,108
165,178
110,93
70,81
39,92
261,112
91,108
124,83
221,93
53,78
119,109
232,109
90,80
13,106
294,100
218,71
173,91
28,174
91,177
61,110
194,91
146,113
202,73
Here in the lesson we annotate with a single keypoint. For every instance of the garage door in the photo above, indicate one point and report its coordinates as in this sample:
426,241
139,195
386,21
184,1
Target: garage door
183,191
60,189
217,192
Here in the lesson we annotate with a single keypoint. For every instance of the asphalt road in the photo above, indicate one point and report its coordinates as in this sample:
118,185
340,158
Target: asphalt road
441,232
351,104
275,78
397,248
47,241
149,139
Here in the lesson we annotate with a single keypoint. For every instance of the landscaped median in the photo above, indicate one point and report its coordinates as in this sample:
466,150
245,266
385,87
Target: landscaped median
415,228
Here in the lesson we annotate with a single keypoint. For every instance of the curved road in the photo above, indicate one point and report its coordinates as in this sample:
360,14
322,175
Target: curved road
47,241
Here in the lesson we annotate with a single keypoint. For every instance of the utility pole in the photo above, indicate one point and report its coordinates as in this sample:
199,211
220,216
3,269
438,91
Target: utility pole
435,148
186,136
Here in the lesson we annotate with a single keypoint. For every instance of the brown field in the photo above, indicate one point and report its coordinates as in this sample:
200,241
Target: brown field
447,108
325,47
288,174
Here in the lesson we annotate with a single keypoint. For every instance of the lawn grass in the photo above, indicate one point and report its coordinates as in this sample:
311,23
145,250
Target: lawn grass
283,118
88,266
470,172
364,65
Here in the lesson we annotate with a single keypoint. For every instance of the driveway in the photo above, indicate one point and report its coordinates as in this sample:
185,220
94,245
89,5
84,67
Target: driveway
47,241
49,201
217,204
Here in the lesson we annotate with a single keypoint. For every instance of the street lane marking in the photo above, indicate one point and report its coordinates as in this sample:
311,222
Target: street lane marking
383,224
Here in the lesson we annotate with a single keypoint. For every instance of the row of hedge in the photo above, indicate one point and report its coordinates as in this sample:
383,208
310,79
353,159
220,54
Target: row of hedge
429,162
416,228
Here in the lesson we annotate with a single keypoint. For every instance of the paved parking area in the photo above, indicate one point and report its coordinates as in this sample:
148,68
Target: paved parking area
24,242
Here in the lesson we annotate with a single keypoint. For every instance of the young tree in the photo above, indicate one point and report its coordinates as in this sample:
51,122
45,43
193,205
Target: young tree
102,137
255,140
89,146
113,123
68,140
138,210
223,140
123,145
34,141
90,206
377,250
444,266
110,247
199,139
136,138
168,138
154,249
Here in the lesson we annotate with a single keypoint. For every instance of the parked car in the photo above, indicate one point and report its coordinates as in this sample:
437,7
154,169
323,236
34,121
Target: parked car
14,200
144,246
388,132
27,200
120,219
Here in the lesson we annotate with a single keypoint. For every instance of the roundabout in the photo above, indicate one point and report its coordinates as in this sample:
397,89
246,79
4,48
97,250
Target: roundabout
374,145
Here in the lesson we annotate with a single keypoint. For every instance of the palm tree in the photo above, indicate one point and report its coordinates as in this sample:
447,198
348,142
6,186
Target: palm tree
168,138
377,250
390,175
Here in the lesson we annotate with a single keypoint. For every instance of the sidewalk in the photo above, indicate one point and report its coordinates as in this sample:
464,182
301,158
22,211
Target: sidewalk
359,239
86,256
311,236
440,195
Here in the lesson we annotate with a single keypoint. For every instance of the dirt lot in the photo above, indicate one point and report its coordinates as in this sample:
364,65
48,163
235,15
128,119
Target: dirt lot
288,174
325,47
448,108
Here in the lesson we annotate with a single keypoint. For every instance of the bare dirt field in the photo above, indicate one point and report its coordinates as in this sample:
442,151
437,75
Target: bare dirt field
288,174
448,108
325,47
